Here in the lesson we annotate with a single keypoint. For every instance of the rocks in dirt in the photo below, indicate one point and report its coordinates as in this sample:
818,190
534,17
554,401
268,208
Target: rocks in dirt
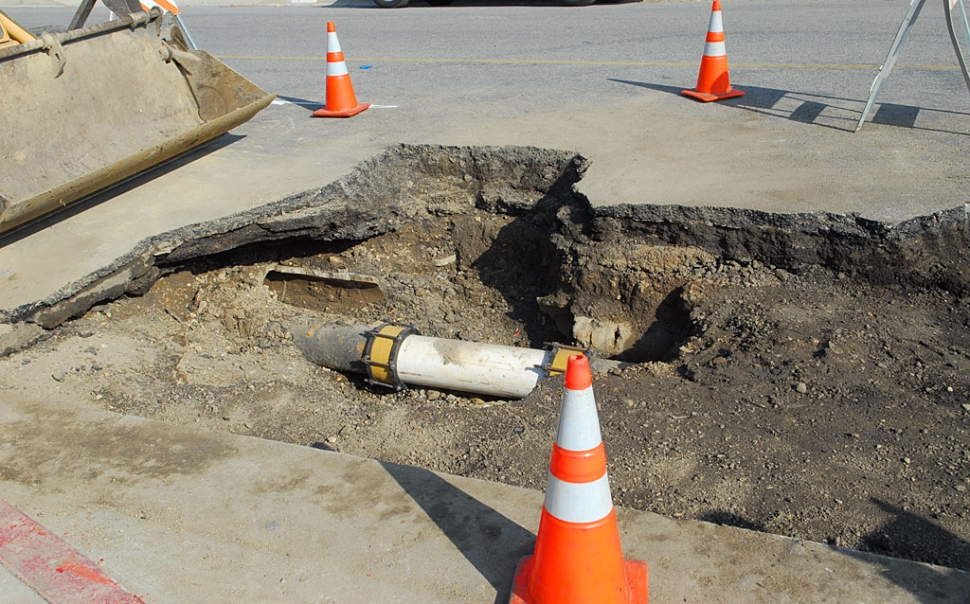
445,260
781,469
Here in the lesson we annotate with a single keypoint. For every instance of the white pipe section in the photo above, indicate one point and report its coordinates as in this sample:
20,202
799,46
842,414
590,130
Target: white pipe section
504,371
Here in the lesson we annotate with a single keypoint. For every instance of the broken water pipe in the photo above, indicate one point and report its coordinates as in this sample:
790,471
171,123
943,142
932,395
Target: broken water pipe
395,355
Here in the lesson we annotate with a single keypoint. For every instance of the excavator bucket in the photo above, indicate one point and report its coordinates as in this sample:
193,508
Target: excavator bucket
88,108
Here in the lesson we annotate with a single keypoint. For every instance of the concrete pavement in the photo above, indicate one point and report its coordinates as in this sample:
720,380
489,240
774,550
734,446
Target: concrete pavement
183,515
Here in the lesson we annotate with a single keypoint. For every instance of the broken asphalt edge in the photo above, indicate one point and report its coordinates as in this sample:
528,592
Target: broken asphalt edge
406,183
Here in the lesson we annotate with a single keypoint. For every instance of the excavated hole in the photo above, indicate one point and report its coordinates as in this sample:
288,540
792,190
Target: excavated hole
480,277
806,375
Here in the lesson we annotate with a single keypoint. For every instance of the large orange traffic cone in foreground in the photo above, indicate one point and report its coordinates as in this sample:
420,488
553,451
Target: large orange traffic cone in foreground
341,101
713,82
578,558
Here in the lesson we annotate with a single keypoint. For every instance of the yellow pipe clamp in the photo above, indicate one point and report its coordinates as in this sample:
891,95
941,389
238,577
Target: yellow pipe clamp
381,352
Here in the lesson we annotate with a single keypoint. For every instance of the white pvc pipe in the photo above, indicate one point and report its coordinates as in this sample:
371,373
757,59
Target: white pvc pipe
504,371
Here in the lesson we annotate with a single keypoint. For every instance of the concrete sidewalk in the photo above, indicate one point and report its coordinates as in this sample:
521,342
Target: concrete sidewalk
180,515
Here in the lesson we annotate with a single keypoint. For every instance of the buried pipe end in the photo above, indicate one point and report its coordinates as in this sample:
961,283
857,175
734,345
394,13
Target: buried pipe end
339,347
356,349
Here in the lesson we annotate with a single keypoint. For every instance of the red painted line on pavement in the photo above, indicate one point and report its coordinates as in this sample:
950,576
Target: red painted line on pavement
55,570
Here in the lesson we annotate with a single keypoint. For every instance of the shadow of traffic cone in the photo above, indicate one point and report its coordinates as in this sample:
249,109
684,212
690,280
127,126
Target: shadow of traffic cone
577,557
713,82
341,101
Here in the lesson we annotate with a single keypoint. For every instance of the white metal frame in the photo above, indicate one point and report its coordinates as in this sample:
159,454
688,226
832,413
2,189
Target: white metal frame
915,6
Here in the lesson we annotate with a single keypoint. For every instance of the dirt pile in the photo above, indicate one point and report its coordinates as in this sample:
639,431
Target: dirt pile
802,375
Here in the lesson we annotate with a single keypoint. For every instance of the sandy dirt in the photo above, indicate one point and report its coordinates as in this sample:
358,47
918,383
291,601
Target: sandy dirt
796,397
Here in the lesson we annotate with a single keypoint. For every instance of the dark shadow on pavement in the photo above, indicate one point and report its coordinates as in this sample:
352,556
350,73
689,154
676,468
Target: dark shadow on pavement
309,105
807,112
764,97
658,87
903,116
913,538
894,548
759,100
807,108
490,541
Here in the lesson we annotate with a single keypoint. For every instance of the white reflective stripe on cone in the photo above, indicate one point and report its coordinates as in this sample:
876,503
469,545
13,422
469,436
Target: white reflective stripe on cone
579,502
717,25
333,44
336,69
579,425
715,49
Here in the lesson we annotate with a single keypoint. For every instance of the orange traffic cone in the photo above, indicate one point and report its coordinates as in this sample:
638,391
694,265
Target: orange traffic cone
577,557
713,82
341,101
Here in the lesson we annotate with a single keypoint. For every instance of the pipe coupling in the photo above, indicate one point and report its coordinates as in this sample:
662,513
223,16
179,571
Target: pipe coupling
381,352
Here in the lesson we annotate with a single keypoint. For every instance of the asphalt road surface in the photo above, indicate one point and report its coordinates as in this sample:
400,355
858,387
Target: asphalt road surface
513,57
